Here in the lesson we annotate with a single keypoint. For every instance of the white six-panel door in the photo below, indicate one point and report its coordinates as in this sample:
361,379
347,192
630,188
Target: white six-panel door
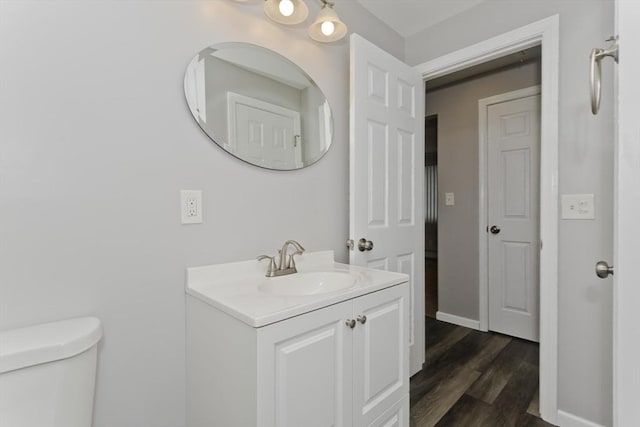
386,163
264,134
513,176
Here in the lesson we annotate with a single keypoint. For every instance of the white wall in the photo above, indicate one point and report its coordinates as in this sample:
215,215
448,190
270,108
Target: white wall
96,141
585,166
457,110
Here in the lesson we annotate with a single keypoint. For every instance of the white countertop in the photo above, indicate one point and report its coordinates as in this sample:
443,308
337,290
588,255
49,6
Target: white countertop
235,288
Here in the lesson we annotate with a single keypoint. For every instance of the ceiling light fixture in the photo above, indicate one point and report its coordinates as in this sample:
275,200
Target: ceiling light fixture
326,28
288,12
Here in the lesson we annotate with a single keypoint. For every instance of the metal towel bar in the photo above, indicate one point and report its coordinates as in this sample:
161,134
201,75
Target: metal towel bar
596,71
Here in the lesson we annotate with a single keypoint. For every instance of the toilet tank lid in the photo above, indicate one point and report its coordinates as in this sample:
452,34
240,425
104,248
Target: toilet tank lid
47,342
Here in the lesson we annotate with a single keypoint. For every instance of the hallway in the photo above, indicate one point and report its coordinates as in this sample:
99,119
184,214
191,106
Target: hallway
473,378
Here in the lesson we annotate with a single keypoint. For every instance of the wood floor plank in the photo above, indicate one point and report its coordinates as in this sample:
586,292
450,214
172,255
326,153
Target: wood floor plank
437,402
436,330
424,381
528,420
496,376
486,356
468,412
534,405
439,367
458,355
446,343
515,397
464,366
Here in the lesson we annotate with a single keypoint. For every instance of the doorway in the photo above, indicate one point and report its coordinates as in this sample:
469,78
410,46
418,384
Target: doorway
543,33
408,100
431,216
459,155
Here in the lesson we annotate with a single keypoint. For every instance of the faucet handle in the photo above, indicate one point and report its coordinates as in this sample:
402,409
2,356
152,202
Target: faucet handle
292,262
271,270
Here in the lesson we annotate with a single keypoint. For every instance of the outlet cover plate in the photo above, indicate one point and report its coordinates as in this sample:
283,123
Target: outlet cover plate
449,199
191,206
578,206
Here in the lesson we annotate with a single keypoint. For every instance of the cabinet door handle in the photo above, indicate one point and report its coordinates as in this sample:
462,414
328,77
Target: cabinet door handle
351,323
603,269
362,319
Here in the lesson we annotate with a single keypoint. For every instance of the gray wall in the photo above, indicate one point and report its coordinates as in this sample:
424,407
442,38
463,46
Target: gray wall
96,141
585,166
457,110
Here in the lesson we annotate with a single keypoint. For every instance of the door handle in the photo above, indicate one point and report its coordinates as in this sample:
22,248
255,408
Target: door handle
603,270
494,229
365,245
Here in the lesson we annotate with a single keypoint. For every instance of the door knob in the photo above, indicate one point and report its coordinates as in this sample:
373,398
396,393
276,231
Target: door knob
362,319
351,323
365,245
494,229
603,269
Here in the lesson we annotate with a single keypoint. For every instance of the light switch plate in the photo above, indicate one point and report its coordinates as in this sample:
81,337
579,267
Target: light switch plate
191,206
578,206
449,199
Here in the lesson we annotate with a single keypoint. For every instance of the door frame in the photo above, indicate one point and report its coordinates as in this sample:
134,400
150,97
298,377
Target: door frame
626,292
546,33
483,211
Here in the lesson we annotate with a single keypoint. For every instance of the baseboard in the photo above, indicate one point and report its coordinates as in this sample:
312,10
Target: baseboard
457,320
566,419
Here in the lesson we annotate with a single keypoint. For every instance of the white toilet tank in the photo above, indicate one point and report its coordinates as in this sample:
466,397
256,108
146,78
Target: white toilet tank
48,372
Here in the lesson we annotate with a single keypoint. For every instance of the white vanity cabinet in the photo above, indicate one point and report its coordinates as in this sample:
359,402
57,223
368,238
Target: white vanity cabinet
310,370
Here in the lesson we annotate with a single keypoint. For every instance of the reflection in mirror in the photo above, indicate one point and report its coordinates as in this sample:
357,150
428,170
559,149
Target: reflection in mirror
258,106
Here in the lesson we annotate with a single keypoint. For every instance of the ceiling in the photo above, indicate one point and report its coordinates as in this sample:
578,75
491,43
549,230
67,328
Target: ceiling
408,17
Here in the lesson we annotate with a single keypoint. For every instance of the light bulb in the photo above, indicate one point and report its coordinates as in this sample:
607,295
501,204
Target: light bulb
327,28
286,7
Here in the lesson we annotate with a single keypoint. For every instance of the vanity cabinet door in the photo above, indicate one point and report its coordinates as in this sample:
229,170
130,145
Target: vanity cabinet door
396,416
381,357
305,370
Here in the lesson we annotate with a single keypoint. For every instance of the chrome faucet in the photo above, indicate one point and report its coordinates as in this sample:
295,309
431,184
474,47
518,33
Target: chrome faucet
286,264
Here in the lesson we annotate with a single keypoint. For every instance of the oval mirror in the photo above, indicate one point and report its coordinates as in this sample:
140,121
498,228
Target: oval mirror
258,106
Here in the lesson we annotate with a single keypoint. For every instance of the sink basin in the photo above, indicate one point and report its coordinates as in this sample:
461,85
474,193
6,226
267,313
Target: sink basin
309,283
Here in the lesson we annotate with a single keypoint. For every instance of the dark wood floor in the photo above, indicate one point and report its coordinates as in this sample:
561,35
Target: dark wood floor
475,379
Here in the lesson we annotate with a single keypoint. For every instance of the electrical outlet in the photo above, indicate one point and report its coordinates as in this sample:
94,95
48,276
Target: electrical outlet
191,206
